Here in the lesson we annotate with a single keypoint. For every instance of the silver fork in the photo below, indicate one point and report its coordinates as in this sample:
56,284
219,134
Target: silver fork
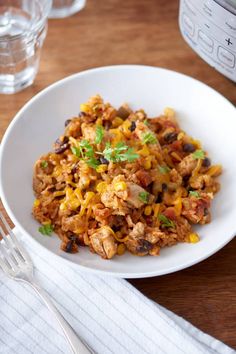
17,264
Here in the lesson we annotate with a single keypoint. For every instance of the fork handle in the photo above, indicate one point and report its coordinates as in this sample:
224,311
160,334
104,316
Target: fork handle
77,346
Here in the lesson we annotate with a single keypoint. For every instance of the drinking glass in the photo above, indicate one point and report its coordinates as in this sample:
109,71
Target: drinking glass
23,27
64,8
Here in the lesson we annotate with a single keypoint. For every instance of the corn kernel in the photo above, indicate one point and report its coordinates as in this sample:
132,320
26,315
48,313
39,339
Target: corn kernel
169,112
118,136
147,163
101,168
156,208
148,210
63,206
117,121
194,238
121,249
180,135
144,151
120,186
101,187
36,202
125,127
85,108
99,121
178,206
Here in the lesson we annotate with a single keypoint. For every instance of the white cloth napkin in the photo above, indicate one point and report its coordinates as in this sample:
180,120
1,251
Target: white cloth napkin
108,314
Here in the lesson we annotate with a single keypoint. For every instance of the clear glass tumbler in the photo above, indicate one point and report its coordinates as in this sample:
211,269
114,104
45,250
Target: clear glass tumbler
23,27
64,8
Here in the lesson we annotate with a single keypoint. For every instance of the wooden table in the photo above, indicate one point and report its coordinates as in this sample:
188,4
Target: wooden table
144,32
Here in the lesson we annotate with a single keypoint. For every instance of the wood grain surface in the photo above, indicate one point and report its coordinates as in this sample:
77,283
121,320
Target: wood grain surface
144,32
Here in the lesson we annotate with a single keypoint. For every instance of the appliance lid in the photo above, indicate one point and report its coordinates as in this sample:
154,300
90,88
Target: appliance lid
229,5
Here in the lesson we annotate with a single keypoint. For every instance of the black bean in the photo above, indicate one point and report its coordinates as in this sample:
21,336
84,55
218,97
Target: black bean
133,126
82,114
206,212
103,160
164,187
206,162
72,237
189,147
170,137
61,145
116,228
159,198
67,122
74,168
61,148
144,246
69,246
186,180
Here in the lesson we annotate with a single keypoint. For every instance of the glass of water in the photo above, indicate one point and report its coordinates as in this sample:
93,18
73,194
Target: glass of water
23,27
64,8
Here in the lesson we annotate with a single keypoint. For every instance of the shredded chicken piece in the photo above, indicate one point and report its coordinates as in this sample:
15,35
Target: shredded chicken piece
103,243
187,165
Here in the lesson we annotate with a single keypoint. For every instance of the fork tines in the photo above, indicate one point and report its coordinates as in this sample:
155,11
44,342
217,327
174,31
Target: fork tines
12,253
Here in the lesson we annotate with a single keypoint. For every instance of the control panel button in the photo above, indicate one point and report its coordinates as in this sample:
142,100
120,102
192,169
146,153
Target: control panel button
226,57
188,24
231,24
190,7
205,41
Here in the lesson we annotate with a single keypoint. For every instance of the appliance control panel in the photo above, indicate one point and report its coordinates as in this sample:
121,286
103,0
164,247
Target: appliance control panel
211,32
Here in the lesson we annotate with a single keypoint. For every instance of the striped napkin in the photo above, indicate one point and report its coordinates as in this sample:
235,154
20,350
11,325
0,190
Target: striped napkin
108,314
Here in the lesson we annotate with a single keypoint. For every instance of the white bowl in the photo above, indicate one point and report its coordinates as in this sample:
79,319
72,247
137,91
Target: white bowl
201,111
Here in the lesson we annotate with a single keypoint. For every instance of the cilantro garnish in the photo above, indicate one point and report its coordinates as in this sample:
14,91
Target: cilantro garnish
144,196
149,138
194,194
86,152
44,164
75,151
198,154
86,148
92,162
164,169
99,134
120,152
146,122
166,222
46,229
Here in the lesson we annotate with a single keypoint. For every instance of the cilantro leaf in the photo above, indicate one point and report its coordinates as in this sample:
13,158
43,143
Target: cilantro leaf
198,154
129,155
164,169
86,149
108,152
119,153
149,138
194,194
99,134
144,196
120,146
44,164
146,122
46,229
92,162
75,151
166,222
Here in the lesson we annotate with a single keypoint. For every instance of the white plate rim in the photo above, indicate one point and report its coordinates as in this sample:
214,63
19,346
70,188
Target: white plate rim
69,262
